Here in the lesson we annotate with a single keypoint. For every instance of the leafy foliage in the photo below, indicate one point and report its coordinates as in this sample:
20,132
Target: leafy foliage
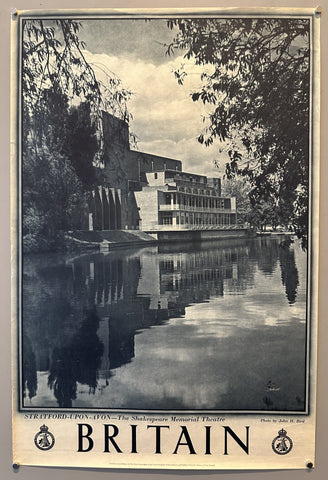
53,199
54,177
239,187
62,108
81,144
54,55
255,82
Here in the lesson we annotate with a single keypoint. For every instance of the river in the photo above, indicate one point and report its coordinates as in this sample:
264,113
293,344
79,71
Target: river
213,326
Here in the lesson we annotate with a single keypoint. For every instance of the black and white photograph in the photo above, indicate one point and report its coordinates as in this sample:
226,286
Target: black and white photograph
164,221
166,217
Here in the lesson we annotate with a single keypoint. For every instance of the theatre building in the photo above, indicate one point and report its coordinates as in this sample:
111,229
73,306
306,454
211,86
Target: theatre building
141,191
174,199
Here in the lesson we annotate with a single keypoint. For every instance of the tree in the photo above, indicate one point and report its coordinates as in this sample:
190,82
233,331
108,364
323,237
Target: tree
260,214
256,82
54,69
53,199
264,213
238,187
54,55
81,144
61,135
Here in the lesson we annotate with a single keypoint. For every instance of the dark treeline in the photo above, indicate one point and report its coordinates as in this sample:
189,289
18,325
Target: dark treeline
58,151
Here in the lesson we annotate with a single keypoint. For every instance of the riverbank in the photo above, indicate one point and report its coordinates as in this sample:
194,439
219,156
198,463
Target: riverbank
106,240
111,239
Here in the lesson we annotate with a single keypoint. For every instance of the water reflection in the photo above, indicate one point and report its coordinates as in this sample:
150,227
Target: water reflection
76,361
289,273
84,315
29,369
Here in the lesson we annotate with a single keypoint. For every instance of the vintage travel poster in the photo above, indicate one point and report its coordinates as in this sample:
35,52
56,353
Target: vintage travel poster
164,226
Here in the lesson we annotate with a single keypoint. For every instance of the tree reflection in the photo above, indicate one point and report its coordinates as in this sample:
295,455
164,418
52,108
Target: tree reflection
30,382
267,255
289,273
78,361
88,350
62,378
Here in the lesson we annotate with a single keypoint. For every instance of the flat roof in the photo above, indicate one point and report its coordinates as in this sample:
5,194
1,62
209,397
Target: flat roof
179,172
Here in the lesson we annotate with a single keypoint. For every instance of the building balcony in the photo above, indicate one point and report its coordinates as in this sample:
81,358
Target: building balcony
184,188
187,208
169,208
170,228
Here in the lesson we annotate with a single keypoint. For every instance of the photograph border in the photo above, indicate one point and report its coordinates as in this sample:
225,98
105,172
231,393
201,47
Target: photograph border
313,193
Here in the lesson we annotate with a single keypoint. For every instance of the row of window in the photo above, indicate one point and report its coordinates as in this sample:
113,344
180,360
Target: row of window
184,177
183,219
197,201
196,191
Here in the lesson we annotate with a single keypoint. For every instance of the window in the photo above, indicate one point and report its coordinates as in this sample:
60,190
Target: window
167,220
155,176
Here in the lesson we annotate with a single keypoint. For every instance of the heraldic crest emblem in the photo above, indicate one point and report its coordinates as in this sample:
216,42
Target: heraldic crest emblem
44,439
282,444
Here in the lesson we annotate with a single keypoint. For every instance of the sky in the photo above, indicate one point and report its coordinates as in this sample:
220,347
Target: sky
165,119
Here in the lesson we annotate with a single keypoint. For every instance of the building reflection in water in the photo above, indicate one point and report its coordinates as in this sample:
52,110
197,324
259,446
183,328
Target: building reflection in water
81,315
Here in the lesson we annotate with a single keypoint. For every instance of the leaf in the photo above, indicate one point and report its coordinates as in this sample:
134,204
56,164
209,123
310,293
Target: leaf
195,96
